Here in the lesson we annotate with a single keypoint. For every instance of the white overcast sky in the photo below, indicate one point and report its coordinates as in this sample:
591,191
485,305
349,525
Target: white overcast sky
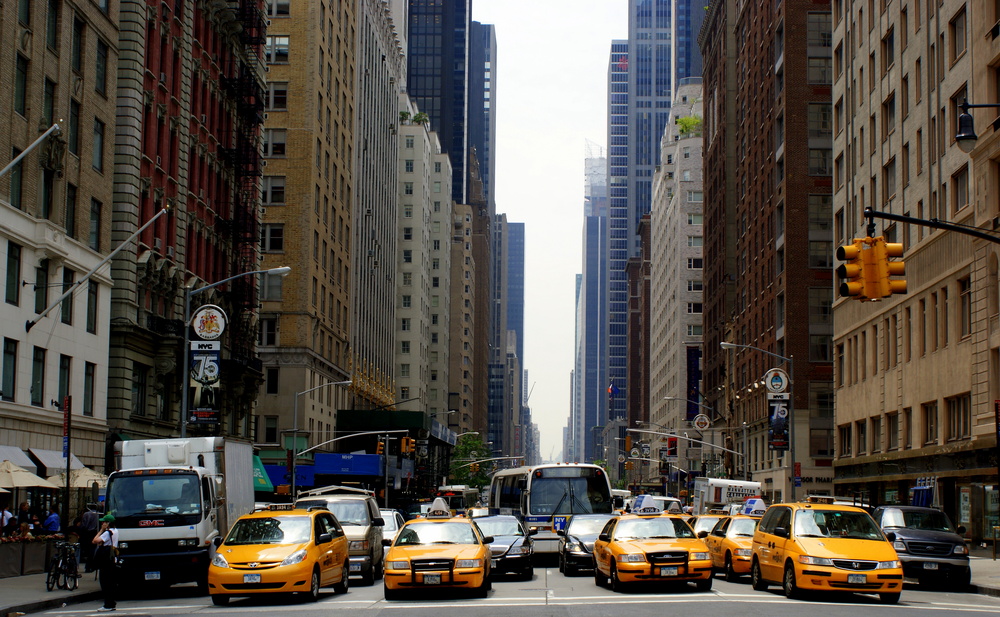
550,95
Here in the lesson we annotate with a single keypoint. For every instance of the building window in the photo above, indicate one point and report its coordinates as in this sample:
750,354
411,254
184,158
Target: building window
66,309
820,161
404,370
892,431
69,221
76,52
407,279
820,121
276,50
37,376
409,141
271,380
101,69
42,286
958,40
52,25
861,434
140,382
274,142
845,440
268,331
960,189
407,188
97,160
272,238
92,288
8,381
273,191
13,281
271,287
407,211
820,70
65,366
694,330
407,233
695,263
695,286
888,51
695,241
404,347
277,96
694,308
20,84
94,239
965,308
959,417
404,324
407,256
277,8
406,301
930,413
408,166
89,380
876,445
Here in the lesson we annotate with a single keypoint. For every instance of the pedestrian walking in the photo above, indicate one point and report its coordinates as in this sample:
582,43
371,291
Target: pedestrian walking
106,560
89,522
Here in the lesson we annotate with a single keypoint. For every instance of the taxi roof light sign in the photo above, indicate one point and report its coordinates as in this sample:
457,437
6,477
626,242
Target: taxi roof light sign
439,509
645,504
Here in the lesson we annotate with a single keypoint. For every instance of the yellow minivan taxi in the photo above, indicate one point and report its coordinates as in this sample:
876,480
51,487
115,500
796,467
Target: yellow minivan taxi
280,549
730,544
650,546
817,545
438,550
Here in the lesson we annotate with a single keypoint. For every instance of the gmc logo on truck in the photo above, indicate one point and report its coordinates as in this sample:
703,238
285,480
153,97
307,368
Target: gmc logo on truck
150,523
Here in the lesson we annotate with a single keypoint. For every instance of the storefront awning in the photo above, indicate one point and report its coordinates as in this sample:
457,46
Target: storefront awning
19,457
261,482
53,461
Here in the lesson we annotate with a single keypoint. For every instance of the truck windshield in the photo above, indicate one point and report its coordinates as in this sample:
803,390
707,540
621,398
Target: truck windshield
175,498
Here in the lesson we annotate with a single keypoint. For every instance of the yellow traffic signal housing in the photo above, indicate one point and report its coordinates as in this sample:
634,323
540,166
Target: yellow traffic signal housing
380,448
891,268
852,271
406,445
474,468
628,442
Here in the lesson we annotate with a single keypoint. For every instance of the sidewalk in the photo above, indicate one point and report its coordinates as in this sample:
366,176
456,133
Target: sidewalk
27,594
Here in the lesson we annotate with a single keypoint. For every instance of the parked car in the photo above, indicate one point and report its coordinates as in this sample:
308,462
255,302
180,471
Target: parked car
932,550
576,542
511,549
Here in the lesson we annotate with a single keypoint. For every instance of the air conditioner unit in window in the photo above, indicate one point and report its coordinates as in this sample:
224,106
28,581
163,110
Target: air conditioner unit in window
170,251
159,161
203,118
163,78
157,243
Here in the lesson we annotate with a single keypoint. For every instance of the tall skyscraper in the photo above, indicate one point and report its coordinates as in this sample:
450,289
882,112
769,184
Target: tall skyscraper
482,102
515,284
438,77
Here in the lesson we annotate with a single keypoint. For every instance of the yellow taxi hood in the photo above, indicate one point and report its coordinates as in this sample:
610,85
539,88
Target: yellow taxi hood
741,541
435,551
258,552
848,548
646,545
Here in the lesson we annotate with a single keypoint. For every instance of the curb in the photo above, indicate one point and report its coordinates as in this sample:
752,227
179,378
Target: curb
985,590
44,605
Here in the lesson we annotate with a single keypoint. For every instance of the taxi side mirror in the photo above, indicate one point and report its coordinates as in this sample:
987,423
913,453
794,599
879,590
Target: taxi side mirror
534,532
217,541
604,537
703,534
386,542
781,532
488,540
324,538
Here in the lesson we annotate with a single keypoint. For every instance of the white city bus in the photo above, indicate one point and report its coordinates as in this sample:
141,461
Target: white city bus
546,496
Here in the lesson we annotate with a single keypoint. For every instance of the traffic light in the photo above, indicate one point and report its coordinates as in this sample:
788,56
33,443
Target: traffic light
380,448
672,447
474,468
852,272
629,465
885,268
407,445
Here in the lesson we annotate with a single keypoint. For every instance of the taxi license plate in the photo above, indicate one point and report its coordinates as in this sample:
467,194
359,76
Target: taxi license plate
251,578
857,578
930,566
152,576
668,571
355,567
432,579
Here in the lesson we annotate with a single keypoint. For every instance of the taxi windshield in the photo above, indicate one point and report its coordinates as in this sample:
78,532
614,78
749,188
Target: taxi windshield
276,530
418,534
656,527
499,527
835,524
742,527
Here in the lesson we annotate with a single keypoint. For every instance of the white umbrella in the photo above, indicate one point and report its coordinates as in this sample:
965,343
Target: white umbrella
3,490
12,476
80,478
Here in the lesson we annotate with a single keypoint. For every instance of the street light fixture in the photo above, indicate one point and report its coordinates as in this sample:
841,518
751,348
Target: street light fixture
295,425
185,373
791,410
966,136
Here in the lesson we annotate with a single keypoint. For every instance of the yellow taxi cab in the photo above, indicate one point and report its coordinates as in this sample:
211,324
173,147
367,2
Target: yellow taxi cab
438,550
730,544
650,546
280,549
822,546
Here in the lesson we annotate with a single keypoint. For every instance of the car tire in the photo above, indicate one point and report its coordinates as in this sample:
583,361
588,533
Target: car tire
730,573
380,570
528,573
788,583
616,584
704,584
345,579
888,598
484,590
368,578
314,585
391,594
562,563
756,580
203,585
599,579
961,580
220,599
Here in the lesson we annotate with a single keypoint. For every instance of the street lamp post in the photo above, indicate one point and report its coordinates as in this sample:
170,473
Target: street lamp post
186,361
295,426
791,410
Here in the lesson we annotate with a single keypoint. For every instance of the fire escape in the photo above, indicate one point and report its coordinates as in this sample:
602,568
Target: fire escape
244,83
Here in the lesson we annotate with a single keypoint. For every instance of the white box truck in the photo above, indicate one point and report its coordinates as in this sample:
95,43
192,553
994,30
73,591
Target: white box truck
718,493
171,498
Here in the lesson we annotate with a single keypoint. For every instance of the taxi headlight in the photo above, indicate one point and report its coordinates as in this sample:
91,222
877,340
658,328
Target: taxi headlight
815,561
889,565
358,545
219,561
294,558
399,565
469,563
574,546
899,545
632,558
961,549
744,552
699,557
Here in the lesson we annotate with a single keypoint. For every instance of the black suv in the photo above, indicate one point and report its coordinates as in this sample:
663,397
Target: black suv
932,550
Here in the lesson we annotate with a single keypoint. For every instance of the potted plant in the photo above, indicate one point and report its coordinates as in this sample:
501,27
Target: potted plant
10,557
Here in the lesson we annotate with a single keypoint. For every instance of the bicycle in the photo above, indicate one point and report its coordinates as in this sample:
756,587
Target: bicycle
63,570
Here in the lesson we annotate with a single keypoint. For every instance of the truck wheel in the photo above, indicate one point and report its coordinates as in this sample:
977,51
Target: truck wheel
345,579
220,599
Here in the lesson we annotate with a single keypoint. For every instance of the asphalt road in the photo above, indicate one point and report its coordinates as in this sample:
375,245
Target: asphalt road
551,594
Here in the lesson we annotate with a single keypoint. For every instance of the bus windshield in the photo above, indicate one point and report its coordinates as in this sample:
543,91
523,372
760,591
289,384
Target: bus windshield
586,495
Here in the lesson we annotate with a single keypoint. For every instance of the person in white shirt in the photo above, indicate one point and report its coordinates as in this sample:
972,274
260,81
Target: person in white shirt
6,516
106,541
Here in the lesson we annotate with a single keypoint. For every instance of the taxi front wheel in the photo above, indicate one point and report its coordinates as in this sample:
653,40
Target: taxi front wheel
220,599
788,583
